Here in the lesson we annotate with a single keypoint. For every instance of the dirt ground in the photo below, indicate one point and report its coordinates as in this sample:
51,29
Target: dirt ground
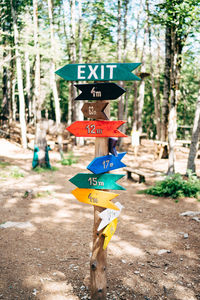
46,256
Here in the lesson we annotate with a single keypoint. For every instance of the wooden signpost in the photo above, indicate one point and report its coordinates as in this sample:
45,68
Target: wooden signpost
99,91
88,184
94,110
96,128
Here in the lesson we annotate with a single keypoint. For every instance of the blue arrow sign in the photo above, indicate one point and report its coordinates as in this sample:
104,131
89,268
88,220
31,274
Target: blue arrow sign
106,163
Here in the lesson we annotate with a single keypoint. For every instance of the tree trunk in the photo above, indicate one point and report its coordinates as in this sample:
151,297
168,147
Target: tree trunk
172,126
166,93
40,135
71,108
19,79
125,97
142,84
152,74
38,102
135,102
119,58
80,116
176,52
28,86
53,82
195,138
159,120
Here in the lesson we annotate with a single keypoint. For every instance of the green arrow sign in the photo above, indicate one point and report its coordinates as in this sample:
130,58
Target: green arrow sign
98,72
97,181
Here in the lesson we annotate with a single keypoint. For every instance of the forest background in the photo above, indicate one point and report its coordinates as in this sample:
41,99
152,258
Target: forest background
38,37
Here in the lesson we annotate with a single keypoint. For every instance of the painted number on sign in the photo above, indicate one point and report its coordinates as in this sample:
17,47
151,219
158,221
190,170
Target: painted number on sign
107,164
92,129
95,93
93,181
92,111
92,199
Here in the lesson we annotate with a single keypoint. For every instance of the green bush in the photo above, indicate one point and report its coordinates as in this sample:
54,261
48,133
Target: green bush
16,172
69,160
176,186
45,169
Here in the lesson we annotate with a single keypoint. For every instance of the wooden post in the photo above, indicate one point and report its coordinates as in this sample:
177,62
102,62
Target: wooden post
98,262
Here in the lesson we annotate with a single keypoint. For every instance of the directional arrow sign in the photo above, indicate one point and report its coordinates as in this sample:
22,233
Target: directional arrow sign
99,182
99,91
108,215
95,197
94,110
98,72
96,128
106,163
108,232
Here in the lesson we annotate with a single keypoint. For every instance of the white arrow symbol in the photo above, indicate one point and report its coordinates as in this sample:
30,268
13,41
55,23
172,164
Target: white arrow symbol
108,215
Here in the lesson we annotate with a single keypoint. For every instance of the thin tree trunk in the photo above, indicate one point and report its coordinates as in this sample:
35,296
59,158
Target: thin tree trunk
37,63
152,74
195,138
71,110
159,121
28,85
172,113
80,116
53,81
176,52
19,79
125,97
135,103
142,84
119,58
166,93
40,135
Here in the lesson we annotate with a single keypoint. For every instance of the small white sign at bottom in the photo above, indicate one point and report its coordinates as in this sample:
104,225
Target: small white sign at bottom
108,215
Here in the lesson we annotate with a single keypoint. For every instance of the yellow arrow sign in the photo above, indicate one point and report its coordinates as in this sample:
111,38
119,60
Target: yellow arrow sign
95,197
108,232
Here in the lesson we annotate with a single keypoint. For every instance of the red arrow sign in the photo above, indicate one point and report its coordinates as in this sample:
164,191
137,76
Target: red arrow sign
96,128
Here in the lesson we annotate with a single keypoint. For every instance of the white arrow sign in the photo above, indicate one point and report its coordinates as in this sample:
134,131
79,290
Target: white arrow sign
108,215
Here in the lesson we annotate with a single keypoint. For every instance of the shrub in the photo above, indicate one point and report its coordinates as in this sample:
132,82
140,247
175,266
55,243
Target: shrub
69,160
44,169
176,186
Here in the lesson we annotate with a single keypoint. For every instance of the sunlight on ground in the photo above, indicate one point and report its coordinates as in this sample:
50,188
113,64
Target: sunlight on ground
184,293
143,230
120,248
54,287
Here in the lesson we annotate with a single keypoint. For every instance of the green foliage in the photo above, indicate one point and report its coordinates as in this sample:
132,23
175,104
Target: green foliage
42,169
16,173
43,194
69,160
4,164
176,187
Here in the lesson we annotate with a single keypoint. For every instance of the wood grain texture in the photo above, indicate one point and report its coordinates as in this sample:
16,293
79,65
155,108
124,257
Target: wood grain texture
98,262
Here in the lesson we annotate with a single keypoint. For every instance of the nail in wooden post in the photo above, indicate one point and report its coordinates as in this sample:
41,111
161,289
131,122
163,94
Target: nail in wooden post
98,263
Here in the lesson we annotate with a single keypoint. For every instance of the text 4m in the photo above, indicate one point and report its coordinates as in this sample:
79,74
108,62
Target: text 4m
96,72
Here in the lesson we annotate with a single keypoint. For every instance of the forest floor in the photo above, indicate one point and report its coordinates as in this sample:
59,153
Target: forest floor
46,254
